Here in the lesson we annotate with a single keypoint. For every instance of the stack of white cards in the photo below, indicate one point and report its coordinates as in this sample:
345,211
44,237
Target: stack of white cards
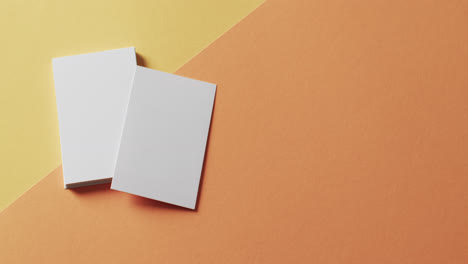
142,129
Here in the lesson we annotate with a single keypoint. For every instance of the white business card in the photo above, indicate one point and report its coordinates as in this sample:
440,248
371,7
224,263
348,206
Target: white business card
92,92
163,144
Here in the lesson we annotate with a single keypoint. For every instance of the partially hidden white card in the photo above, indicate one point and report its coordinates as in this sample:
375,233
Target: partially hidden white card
163,145
92,92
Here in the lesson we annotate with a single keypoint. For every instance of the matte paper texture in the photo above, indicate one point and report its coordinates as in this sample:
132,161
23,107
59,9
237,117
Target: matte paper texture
339,135
163,145
92,92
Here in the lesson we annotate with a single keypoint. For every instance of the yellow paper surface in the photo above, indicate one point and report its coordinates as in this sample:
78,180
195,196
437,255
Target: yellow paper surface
166,33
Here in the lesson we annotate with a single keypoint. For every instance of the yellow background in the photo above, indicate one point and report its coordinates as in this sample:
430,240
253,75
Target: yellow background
166,33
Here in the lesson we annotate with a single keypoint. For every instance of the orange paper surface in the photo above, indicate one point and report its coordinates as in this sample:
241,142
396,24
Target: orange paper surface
339,135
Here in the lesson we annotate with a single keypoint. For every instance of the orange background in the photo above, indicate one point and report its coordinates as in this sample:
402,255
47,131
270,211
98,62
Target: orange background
339,135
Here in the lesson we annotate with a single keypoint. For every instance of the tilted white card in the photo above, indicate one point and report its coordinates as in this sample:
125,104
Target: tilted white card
92,92
163,145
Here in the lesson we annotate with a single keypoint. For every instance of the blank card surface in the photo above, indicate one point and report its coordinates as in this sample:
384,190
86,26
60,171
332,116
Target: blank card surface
92,92
163,144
